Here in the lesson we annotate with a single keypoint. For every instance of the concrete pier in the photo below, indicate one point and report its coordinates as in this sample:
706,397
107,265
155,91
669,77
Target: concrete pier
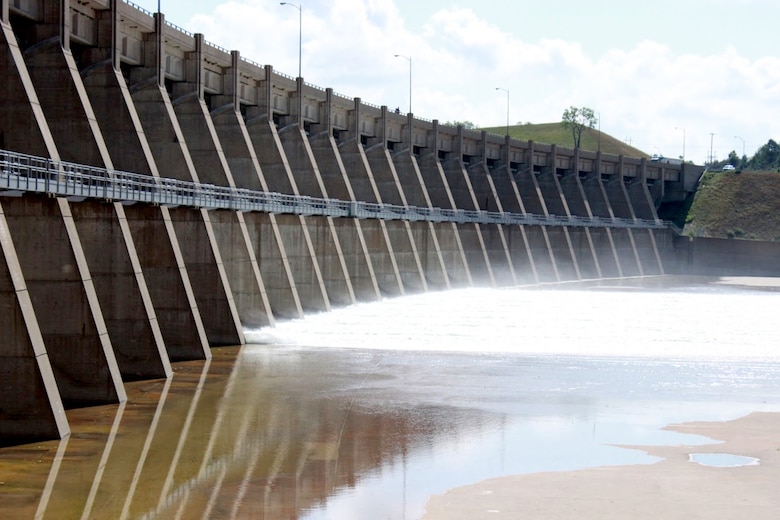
31,405
107,281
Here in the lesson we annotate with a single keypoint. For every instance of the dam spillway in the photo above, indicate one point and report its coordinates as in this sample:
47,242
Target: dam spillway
160,193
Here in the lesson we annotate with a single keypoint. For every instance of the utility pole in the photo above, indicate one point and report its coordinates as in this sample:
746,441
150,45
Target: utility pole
300,32
683,151
409,58
743,144
507,108
711,158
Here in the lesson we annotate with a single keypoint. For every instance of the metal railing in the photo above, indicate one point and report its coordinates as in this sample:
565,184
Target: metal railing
21,173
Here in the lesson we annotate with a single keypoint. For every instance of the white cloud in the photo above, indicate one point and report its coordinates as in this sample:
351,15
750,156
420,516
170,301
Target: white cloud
459,58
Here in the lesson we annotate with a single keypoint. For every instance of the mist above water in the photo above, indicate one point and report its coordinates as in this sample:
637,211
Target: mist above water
689,321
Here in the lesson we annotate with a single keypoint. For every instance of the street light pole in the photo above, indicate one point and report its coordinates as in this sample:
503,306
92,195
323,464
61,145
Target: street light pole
711,158
743,145
507,107
683,129
410,78
300,32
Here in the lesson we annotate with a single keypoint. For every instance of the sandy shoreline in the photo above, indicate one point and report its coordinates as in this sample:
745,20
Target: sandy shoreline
673,488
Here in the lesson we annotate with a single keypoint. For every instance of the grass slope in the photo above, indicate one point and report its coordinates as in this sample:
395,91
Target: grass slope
736,205
555,133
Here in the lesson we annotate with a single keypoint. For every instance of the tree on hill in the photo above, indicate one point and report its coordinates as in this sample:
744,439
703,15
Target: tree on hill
577,119
766,158
733,159
467,125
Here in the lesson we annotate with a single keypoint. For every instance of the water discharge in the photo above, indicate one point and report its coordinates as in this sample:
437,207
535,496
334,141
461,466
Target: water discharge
375,407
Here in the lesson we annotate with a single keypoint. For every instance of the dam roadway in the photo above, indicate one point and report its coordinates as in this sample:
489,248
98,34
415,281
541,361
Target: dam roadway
160,194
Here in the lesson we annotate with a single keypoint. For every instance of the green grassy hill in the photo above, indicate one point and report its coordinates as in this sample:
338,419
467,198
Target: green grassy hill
555,133
726,205
736,205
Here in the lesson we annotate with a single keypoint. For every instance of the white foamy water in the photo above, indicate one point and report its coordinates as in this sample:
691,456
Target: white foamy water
687,322
548,379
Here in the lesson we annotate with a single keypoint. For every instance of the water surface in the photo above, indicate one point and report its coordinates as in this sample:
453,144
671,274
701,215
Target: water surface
365,412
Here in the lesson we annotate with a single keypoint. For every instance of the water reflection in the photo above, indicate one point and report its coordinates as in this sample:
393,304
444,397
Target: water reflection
291,431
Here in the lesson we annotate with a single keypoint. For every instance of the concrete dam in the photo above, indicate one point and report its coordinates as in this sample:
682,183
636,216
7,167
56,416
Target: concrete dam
159,194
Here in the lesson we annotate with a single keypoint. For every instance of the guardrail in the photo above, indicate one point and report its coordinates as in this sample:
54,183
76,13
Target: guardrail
22,173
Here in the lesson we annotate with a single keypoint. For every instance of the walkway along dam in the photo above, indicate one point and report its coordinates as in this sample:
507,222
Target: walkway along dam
159,193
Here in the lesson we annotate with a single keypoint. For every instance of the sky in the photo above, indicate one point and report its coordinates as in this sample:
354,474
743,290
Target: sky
669,77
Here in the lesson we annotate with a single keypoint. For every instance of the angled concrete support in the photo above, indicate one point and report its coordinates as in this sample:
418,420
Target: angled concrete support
268,254
295,243
390,190
240,274
276,266
206,272
336,184
30,404
307,180
413,190
61,288
507,198
77,135
531,200
277,174
552,202
595,198
82,356
362,183
122,290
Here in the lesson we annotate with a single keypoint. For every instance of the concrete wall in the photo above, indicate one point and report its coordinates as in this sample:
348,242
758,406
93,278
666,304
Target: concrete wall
722,257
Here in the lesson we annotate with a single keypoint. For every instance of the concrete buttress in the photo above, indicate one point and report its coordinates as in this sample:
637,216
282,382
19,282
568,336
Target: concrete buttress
30,402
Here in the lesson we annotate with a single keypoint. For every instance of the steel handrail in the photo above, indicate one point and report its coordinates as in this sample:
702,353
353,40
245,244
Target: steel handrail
28,173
